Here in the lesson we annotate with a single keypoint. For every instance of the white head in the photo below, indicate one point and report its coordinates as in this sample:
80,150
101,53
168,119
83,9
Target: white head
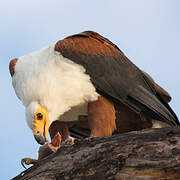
37,118
49,85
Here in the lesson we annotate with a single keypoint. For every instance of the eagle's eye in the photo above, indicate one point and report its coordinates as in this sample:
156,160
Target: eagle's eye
39,116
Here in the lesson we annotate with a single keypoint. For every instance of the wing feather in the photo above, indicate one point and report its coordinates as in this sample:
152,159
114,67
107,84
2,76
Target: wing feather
115,76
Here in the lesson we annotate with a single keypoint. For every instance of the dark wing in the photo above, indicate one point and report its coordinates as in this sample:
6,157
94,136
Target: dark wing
115,76
159,90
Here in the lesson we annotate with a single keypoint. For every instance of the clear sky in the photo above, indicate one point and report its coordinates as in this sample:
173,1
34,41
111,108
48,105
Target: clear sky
147,31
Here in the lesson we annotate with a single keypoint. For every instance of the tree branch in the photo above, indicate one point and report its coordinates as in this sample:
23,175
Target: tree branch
140,155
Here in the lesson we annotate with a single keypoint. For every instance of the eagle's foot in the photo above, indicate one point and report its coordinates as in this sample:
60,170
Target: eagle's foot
44,151
68,142
28,161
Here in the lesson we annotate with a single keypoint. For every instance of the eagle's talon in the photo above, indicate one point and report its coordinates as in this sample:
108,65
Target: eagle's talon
27,161
23,162
68,142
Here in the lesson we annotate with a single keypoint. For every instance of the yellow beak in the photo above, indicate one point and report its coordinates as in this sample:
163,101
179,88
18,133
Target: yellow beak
41,128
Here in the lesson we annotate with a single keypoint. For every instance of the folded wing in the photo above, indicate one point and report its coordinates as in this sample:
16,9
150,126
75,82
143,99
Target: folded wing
115,76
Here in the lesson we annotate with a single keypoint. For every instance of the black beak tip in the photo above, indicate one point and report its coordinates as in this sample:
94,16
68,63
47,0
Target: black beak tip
40,139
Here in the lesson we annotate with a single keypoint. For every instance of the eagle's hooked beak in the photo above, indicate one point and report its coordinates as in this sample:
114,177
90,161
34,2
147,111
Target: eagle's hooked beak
41,126
41,132
40,138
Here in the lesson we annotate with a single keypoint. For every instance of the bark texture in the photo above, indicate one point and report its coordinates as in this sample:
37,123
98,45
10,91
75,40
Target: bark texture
140,155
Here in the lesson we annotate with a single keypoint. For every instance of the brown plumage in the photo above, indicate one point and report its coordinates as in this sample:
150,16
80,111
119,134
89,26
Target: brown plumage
12,65
115,76
130,98
101,117
60,127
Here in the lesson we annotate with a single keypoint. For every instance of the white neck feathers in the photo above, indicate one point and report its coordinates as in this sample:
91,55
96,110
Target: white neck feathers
55,82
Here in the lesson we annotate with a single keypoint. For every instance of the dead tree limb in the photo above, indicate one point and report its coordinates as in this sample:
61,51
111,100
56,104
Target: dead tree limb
144,155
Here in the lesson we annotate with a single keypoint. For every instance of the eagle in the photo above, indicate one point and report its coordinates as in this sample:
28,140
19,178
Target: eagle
84,85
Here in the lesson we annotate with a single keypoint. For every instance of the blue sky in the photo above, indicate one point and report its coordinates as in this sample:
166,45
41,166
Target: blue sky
147,31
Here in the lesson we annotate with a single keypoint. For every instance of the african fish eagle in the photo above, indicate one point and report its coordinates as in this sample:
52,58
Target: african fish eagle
86,81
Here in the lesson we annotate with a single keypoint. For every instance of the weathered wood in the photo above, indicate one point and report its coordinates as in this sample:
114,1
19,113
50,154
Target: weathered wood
141,155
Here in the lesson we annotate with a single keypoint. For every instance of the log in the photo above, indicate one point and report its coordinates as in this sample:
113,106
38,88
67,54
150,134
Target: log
151,154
